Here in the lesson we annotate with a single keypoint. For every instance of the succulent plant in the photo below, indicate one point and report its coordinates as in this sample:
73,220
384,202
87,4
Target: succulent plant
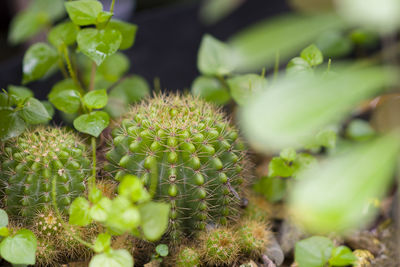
30,161
193,150
220,247
188,257
253,237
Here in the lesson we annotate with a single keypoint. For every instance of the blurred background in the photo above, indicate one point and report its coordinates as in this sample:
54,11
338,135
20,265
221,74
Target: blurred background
167,41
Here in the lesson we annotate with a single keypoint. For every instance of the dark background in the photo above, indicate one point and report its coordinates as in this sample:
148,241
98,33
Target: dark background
166,43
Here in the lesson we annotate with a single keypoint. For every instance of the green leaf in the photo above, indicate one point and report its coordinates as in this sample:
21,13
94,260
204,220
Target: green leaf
334,196
162,250
288,154
212,11
24,26
38,60
68,101
132,188
4,232
319,102
127,30
342,256
243,87
3,218
258,45
53,9
334,44
313,252
20,93
49,108
84,12
210,89
312,55
95,195
113,258
114,67
93,123
79,212
20,248
103,18
99,211
278,167
297,65
102,243
11,125
34,112
63,33
99,44
215,57
324,138
273,188
123,217
154,219
96,99
359,130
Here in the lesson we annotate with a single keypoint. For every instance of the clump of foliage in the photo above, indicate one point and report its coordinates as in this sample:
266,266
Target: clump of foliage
29,163
186,151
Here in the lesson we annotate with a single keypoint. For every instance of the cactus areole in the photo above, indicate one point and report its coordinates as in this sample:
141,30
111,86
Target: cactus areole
31,161
197,156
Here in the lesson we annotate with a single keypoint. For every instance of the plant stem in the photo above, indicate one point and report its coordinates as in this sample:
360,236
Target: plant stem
112,6
70,68
92,76
276,67
92,182
65,226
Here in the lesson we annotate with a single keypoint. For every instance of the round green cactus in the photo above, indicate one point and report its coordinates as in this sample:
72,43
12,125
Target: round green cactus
193,150
29,163
220,247
188,257
253,237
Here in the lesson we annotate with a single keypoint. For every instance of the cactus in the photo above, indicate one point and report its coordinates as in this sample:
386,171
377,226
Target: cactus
30,161
253,237
188,257
199,159
220,247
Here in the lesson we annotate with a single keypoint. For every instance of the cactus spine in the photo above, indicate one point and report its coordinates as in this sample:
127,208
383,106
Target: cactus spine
188,257
29,163
197,154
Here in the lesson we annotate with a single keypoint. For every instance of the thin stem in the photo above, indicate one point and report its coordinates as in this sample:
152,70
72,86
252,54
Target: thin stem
62,68
92,76
92,182
112,6
70,68
65,226
276,67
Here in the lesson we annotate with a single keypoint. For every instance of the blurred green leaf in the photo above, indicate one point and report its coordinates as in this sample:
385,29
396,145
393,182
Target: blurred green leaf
215,57
93,123
20,93
162,250
288,154
38,60
123,217
154,219
114,67
212,11
242,87
113,258
258,45
49,108
3,218
278,167
34,112
127,30
334,44
95,99
342,256
63,33
102,243
312,55
273,188
20,248
359,130
99,44
100,211
307,103
24,26
334,196
84,12
210,89
381,16
68,100
79,212
297,65
313,252
53,9
11,125
132,188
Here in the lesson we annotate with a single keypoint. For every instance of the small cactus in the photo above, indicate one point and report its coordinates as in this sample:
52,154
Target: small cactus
199,159
188,257
30,161
253,237
220,247
364,258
